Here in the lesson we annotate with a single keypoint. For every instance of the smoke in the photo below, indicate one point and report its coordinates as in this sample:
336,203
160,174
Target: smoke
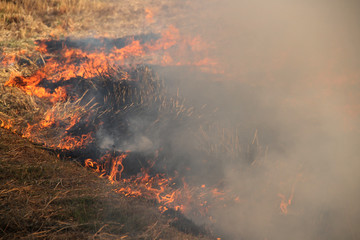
292,74
291,77
111,139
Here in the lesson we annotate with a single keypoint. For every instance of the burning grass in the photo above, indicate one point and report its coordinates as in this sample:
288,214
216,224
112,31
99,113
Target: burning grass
121,121
91,100
46,198
102,117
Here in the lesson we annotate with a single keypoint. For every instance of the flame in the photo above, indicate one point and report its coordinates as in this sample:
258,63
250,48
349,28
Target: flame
30,86
11,58
170,49
48,120
7,124
152,187
286,202
8,60
149,17
70,143
41,47
129,192
115,173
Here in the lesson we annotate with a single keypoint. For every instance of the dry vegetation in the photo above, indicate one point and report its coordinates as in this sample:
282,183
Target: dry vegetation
23,19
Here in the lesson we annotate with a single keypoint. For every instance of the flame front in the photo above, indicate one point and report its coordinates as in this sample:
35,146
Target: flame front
60,68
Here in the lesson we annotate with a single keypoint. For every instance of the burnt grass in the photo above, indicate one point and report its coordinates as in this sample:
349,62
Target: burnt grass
44,197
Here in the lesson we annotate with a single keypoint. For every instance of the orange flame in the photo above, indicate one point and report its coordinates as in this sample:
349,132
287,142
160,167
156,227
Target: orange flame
285,203
70,143
7,124
149,15
170,49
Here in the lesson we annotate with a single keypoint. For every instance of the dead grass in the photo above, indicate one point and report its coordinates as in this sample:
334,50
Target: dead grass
22,19
42,197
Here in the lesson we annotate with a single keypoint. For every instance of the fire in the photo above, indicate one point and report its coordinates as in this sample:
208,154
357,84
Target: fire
286,202
7,60
158,186
7,124
30,86
48,120
170,49
11,58
149,15
129,192
108,166
111,167
61,69
69,143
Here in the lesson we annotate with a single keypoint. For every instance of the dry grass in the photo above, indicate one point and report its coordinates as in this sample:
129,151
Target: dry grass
23,19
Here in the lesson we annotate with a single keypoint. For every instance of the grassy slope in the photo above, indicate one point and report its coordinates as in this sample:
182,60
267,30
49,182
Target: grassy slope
42,196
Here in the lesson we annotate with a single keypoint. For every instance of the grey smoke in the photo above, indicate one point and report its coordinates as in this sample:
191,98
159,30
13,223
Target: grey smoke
109,139
293,73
